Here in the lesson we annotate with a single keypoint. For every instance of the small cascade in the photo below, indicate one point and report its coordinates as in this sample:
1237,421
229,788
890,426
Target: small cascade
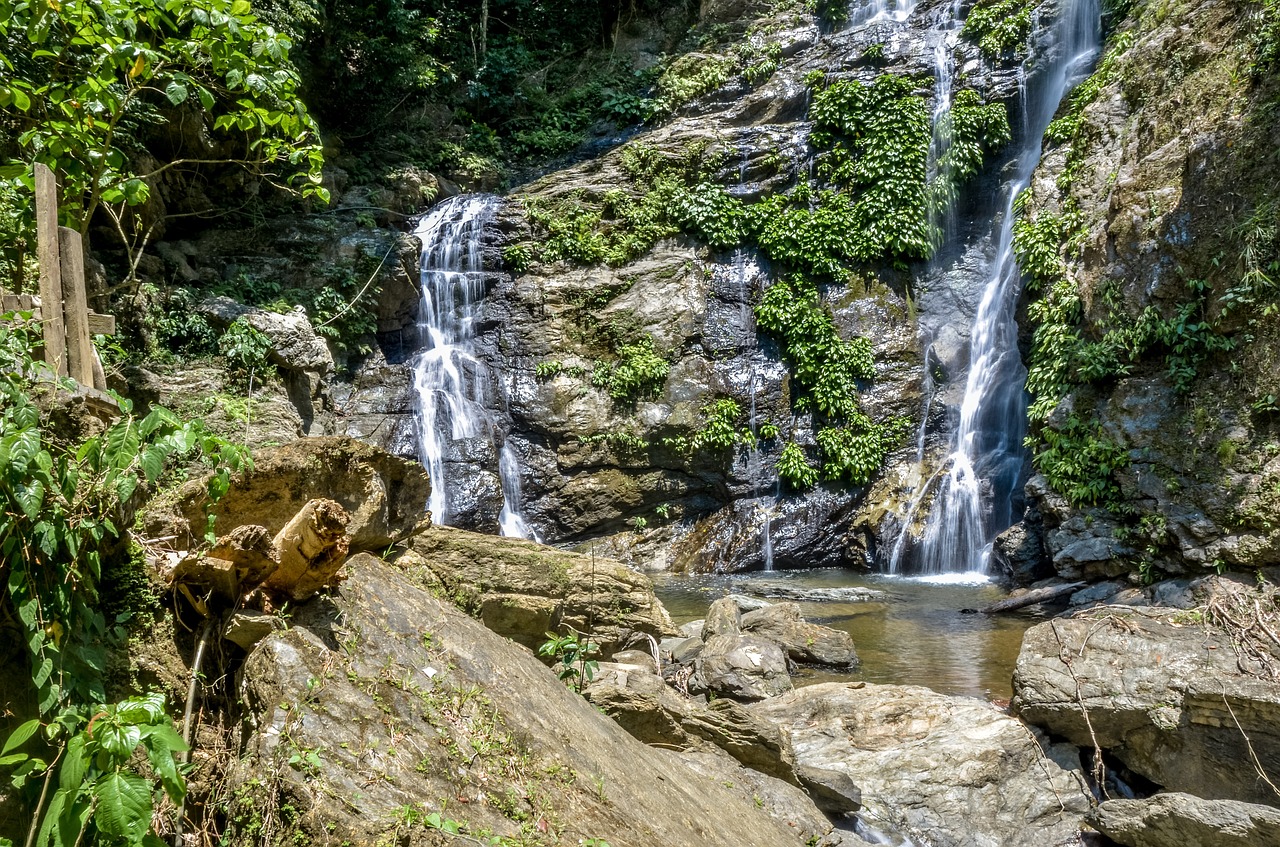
765,505
456,397
510,522
971,498
863,12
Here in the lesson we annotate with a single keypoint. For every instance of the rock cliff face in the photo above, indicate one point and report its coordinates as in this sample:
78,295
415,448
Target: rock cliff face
637,473
1156,337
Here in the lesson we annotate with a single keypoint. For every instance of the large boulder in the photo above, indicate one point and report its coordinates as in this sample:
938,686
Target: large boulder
1181,820
524,590
744,667
1165,696
385,496
383,704
804,642
645,706
944,771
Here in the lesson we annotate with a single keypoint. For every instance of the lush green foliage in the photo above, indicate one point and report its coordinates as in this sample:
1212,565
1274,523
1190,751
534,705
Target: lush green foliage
245,350
826,367
720,426
464,86
102,795
794,468
63,507
83,78
1080,462
856,450
968,131
639,372
999,27
875,143
826,370
1266,38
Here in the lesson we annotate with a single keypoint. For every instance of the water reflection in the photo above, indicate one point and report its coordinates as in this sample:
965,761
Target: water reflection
919,635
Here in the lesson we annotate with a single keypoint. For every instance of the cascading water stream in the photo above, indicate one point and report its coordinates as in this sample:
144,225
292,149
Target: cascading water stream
455,392
863,12
974,494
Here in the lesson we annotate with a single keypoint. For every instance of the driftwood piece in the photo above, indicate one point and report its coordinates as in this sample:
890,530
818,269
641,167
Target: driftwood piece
1038,595
206,575
253,551
311,549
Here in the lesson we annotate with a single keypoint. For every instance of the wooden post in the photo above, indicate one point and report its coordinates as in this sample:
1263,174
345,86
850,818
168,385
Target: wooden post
75,310
47,242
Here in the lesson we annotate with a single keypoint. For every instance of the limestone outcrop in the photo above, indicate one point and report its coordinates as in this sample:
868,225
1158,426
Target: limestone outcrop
523,590
1181,820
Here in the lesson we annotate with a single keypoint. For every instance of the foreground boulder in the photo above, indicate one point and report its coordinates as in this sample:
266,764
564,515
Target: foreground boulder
386,496
805,643
1164,695
1181,820
524,590
944,771
384,704
744,667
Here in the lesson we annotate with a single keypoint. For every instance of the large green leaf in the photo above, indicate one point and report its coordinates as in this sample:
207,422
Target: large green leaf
124,806
20,735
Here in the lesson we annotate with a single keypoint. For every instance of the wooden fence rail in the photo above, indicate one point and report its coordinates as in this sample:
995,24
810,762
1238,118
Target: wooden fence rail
66,324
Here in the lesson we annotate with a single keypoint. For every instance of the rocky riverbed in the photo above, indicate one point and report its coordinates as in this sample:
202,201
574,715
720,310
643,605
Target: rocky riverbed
411,687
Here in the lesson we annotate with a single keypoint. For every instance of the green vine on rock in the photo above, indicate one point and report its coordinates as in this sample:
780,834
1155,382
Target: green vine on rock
999,27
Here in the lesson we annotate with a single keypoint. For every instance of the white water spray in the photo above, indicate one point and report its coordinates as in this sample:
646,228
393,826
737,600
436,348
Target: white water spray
456,400
973,493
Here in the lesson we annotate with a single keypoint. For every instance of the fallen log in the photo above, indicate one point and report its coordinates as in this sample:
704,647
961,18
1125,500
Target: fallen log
311,549
252,550
1036,595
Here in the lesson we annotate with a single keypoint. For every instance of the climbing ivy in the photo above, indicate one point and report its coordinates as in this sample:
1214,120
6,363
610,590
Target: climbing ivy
638,372
826,370
968,132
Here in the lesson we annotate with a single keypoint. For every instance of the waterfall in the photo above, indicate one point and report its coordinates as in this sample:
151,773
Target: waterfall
456,396
862,12
974,492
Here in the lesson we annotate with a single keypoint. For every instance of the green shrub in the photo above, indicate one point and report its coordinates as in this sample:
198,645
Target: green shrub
638,372
710,212
1080,463
719,425
826,367
794,468
999,28
855,452
245,350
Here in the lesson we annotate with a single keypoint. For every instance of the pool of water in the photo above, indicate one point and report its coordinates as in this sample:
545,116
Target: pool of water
920,634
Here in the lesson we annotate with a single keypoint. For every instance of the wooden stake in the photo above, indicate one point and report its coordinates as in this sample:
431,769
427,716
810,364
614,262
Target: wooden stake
47,241
75,308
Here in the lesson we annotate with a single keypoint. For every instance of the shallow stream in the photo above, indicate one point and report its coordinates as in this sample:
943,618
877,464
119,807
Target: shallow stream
919,634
